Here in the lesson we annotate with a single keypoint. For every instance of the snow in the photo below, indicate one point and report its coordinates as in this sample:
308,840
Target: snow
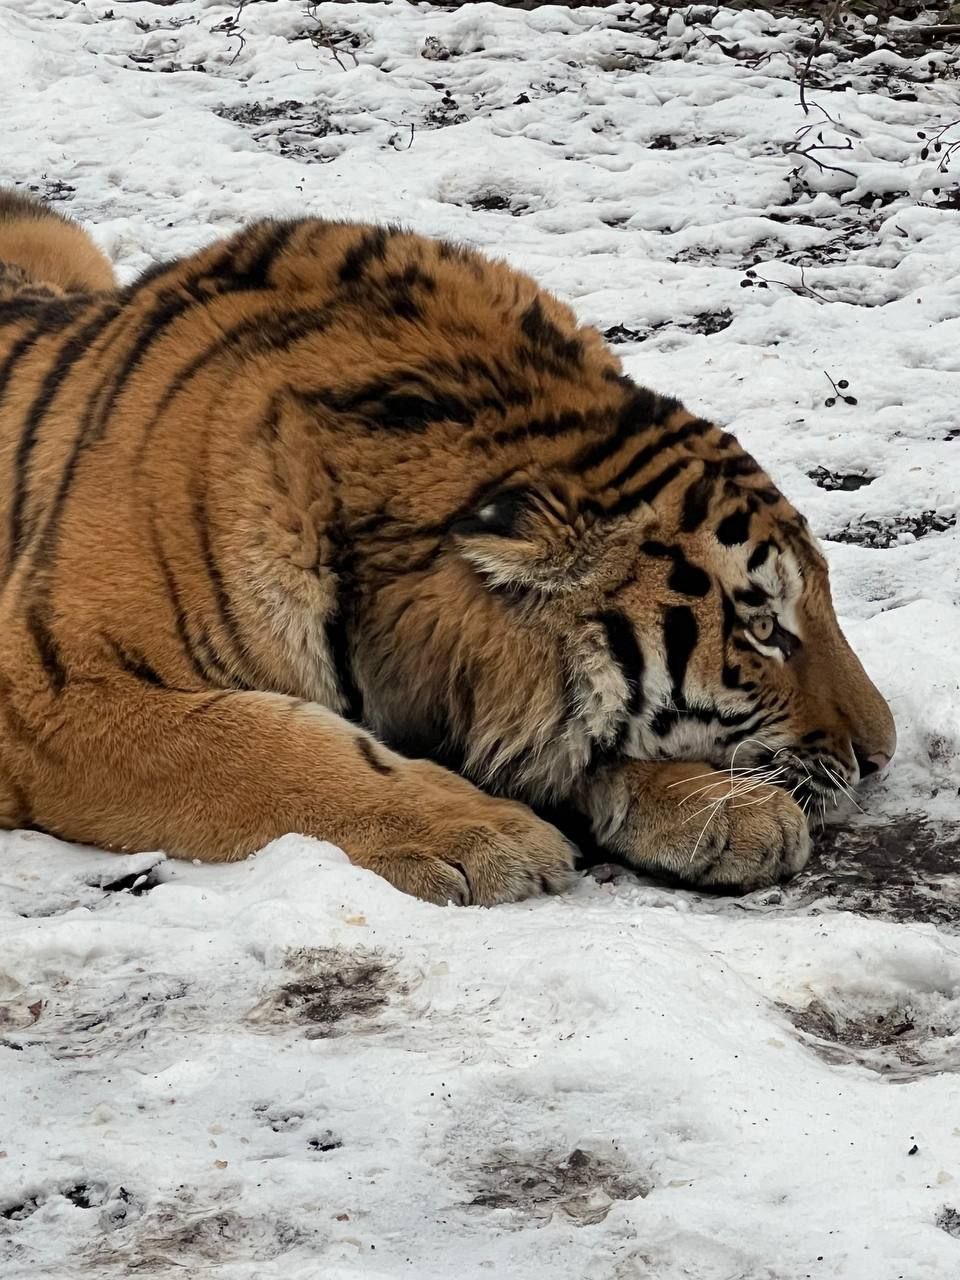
286,1069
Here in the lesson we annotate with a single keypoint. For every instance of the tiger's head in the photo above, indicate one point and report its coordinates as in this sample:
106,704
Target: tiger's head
697,625
563,568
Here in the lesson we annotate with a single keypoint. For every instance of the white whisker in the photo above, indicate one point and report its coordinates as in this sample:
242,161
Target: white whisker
719,779
716,810
713,773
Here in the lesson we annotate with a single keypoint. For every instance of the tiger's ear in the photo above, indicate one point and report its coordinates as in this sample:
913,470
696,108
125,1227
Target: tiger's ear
524,536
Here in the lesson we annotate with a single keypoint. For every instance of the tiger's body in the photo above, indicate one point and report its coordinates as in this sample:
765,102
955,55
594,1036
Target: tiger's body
339,530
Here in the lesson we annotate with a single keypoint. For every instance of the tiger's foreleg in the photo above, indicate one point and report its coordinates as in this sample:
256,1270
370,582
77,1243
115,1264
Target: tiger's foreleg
217,775
689,820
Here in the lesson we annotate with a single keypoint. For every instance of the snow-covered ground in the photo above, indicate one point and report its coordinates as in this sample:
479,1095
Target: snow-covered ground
284,1069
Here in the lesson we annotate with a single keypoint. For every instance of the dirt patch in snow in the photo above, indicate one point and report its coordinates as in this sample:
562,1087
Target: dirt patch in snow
581,1186
906,869
902,1040
887,531
330,991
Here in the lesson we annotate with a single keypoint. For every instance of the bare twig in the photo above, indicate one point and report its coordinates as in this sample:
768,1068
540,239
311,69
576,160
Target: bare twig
802,289
820,35
809,151
938,29
320,38
231,26
935,142
395,138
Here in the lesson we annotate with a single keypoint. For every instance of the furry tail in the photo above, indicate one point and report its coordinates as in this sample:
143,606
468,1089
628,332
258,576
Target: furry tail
43,249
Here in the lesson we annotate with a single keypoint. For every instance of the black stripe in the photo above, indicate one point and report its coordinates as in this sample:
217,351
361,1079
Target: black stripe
384,404
546,337
268,428
758,556
741,465
255,274
221,596
734,529
64,361
643,411
369,754
546,428
47,648
658,445
666,719
150,276
761,720
680,634
135,664
686,578
168,305
370,248
627,654
730,617
696,500
19,349
337,633
628,502
462,702
48,315
179,615
254,336
752,597
489,370
215,667
209,702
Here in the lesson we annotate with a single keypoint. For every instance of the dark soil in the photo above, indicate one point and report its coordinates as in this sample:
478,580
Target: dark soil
848,481
886,531
899,1042
706,323
907,869
290,127
580,1185
331,987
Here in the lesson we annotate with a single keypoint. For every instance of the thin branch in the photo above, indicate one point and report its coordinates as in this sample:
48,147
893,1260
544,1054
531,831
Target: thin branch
321,39
820,35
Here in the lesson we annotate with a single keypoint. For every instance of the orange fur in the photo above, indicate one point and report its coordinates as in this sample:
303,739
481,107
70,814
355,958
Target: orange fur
49,249
323,487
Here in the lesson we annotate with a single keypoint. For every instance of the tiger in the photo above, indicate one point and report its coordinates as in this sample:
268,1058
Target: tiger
337,529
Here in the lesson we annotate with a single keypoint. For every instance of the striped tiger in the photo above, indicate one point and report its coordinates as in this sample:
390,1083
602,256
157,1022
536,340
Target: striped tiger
340,530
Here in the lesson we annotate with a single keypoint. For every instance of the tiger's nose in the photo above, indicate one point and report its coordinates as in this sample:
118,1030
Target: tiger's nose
872,763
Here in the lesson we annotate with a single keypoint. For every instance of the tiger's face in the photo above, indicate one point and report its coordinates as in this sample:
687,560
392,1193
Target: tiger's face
745,665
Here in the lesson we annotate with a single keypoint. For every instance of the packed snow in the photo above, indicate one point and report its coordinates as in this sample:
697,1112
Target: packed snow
284,1068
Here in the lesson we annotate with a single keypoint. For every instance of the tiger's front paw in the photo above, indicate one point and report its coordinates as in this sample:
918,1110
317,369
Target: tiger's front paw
702,826
497,851
743,841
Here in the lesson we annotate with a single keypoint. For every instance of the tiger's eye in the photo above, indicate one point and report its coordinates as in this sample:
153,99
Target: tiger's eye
763,626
